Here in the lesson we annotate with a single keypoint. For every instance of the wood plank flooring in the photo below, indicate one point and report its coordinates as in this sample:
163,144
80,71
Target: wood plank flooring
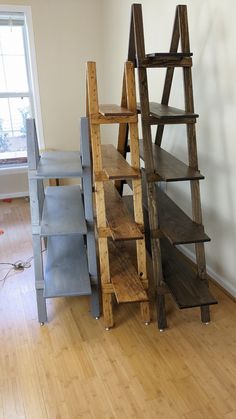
73,368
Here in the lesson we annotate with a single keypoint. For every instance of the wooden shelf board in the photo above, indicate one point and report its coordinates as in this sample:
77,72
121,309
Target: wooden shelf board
119,220
158,60
178,55
165,114
175,225
115,166
66,272
186,287
59,164
126,282
168,167
114,110
63,211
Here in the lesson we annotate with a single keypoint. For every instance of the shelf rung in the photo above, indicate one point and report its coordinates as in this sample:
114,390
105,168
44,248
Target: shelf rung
164,60
163,114
114,110
121,224
66,272
126,282
63,211
174,223
59,164
168,167
177,55
186,287
115,166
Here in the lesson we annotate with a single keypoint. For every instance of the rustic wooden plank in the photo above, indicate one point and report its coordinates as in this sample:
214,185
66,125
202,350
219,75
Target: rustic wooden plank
192,149
95,136
177,55
168,167
122,133
175,225
169,74
100,119
164,61
146,129
120,222
126,282
115,166
115,110
136,184
187,288
165,112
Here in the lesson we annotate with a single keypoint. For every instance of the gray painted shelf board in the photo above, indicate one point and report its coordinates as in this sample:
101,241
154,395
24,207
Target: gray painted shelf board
63,211
66,272
59,164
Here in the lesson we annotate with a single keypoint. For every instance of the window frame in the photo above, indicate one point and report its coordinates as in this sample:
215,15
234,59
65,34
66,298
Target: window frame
33,94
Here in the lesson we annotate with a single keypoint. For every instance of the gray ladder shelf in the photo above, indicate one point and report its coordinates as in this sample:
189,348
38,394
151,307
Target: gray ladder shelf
62,218
166,224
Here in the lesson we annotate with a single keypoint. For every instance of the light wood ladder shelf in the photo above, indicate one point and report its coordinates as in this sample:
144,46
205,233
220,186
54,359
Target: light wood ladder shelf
119,276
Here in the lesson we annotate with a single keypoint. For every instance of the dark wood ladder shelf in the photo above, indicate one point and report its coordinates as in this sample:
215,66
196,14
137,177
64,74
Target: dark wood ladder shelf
163,219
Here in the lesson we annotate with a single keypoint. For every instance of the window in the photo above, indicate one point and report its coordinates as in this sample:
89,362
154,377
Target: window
16,99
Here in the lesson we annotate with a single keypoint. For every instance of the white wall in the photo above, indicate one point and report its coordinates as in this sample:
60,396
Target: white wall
66,35
212,40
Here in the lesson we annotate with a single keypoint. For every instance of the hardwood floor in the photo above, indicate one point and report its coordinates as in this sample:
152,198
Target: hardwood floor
73,368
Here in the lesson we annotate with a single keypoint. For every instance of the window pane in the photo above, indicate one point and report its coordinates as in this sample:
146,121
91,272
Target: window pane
3,86
13,82
13,75
13,114
11,39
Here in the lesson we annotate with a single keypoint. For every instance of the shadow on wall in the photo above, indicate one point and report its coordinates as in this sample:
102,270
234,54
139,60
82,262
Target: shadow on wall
215,95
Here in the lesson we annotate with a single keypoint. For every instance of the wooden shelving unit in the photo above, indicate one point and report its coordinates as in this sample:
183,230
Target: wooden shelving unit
119,277
165,223
62,218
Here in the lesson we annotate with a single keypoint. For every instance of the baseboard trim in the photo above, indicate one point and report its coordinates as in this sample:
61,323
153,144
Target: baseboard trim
14,195
228,288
